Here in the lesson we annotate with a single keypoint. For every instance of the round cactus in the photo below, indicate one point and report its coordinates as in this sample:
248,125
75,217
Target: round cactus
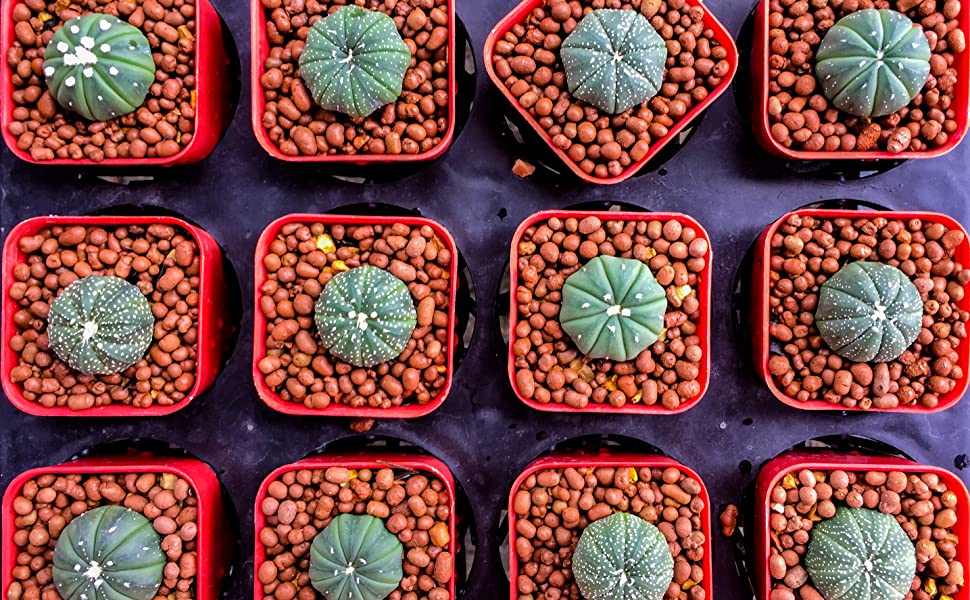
873,62
861,554
622,557
869,312
108,553
99,66
356,558
365,316
100,325
354,61
613,308
614,59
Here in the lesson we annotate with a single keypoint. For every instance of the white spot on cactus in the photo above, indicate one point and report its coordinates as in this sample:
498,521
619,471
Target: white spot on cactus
585,304
62,47
49,71
105,48
112,71
70,81
104,24
75,29
88,72
87,42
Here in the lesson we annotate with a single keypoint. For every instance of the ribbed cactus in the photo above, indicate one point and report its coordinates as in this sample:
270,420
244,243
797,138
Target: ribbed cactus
356,558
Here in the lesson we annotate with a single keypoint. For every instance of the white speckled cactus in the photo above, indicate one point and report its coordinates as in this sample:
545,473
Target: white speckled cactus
873,62
861,554
356,558
354,61
365,316
100,325
622,557
108,553
614,59
99,67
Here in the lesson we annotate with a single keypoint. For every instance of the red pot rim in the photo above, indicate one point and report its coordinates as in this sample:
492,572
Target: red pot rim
776,469
760,308
336,409
211,293
604,458
518,15
213,530
260,51
210,85
360,460
703,293
761,122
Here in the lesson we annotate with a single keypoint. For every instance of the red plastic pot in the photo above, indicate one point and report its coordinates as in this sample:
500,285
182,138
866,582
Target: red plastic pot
213,102
336,409
773,472
519,15
761,122
215,537
561,460
362,460
261,48
703,294
761,318
213,318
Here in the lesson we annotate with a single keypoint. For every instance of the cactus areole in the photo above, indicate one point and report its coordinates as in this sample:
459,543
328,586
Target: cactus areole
356,558
873,62
108,553
861,554
622,557
99,67
614,59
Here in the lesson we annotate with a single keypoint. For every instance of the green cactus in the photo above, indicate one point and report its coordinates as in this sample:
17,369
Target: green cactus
365,316
613,308
108,553
614,59
861,554
354,61
100,325
356,558
99,67
622,557
873,62
869,312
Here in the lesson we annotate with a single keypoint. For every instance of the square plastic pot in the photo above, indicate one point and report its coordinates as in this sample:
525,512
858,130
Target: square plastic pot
703,295
775,470
215,544
576,460
519,15
212,324
362,460
261,48
761,318
213,109
761,122
336,409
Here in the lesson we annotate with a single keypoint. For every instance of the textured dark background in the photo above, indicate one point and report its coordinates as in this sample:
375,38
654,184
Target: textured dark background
482,432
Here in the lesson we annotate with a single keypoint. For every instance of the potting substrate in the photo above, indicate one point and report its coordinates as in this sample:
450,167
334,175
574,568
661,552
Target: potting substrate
483,433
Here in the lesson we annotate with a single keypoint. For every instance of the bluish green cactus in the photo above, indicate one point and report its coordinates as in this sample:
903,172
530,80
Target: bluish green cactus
356,558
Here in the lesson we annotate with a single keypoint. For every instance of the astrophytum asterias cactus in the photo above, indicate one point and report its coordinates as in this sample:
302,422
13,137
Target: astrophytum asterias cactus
614,59
354,61
100,325
613,308
99,67
108,553
622,557
356,558
365,316
869,312
861,554
873,62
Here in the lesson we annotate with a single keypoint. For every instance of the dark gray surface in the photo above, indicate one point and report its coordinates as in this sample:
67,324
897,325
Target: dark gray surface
484,434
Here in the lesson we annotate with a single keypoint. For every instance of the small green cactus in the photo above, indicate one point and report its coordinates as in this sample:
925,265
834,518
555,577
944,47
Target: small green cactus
108,553
614,59
873,62
356,558
613,308
100,325
365,316
99,66
354,61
